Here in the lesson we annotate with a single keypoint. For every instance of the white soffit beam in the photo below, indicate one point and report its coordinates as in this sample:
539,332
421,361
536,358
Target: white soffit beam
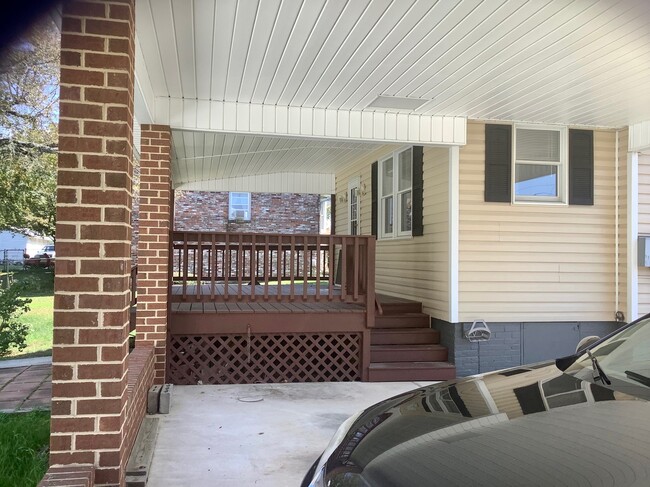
639,137
252,118
143,102
268,183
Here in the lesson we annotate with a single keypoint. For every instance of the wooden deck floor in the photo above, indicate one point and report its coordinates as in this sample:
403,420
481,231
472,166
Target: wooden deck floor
268,307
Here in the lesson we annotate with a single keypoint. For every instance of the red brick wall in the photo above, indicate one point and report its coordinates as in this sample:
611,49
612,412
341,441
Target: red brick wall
270,212
93,234
135,212
78,476
140,379
153,242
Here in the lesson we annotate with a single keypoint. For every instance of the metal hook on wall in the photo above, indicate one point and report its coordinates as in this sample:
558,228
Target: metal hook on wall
478,332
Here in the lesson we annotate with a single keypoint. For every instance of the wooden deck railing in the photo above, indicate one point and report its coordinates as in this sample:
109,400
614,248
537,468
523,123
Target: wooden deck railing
214,266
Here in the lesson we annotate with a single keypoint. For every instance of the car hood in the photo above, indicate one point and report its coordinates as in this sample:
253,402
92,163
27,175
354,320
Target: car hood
523,426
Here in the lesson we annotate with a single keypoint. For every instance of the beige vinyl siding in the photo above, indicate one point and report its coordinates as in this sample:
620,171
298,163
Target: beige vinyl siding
414,268
473,398
360,168
502,388
622,220
535,262
644,230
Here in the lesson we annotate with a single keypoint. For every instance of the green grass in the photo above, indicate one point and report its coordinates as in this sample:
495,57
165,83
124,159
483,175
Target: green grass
40,316
24,448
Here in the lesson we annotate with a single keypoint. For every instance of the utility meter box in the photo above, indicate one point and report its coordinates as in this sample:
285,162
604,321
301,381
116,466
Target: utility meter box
644,251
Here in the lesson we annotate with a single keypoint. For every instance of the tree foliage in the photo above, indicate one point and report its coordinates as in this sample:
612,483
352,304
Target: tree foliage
13,333
29,80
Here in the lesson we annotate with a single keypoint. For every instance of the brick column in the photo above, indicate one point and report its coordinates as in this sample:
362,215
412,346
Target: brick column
93,235
153,242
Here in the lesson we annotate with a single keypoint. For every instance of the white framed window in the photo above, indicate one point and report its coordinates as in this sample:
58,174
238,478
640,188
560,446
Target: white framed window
353,206
395,174
239,207
540,168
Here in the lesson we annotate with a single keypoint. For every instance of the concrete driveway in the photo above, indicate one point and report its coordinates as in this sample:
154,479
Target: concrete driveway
261,434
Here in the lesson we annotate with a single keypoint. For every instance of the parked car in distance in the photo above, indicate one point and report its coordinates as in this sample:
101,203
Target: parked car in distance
49,250
39,260
581,420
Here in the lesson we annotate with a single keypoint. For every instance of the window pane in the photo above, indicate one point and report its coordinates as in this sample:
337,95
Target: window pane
536,180
387,177
405,211
405,169
239,200
388,215
538,145
354,228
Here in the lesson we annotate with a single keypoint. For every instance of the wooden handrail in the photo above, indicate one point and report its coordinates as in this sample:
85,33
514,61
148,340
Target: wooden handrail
222,266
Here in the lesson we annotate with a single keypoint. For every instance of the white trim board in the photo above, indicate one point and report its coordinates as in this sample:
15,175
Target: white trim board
251,118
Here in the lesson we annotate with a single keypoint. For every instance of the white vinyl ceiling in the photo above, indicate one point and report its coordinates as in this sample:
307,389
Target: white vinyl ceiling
583,62
205,156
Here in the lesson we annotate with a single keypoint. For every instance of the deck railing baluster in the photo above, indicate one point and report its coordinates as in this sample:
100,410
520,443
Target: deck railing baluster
318,268
344,268
241,263
253,267
198,261
305,270
213,265
185,266
292,270
226,268
330,290
267,267
280,263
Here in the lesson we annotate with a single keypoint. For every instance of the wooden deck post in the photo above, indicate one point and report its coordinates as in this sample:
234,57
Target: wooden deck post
370,282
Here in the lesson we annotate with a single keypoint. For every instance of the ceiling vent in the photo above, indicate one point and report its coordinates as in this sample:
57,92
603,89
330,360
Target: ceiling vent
399,103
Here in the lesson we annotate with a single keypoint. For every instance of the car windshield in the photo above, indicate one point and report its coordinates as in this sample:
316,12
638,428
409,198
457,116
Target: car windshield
623,359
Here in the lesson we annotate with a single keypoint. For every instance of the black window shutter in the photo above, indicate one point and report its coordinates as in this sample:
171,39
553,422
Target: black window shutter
417,225
581,167
333,214
373,196
498,163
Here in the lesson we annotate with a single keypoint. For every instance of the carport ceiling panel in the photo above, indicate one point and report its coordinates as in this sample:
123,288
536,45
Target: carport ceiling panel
200,156
556,61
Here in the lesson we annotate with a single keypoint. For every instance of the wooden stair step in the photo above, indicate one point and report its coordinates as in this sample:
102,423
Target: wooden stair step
408,353
409,371
394,305
403,320
404,336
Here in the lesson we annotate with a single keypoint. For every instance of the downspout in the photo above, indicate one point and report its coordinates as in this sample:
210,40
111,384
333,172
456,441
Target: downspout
616,229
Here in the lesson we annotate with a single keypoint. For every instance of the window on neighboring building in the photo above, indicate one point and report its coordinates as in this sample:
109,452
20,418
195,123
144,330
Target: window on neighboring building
540,164
395,194
239,207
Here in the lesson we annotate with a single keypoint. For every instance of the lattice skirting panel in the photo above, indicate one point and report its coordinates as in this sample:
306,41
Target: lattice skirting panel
250,359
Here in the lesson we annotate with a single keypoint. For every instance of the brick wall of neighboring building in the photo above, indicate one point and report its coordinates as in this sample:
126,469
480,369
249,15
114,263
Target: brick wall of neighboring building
270,213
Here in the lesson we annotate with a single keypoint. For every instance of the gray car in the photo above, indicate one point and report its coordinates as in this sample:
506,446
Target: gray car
582,420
